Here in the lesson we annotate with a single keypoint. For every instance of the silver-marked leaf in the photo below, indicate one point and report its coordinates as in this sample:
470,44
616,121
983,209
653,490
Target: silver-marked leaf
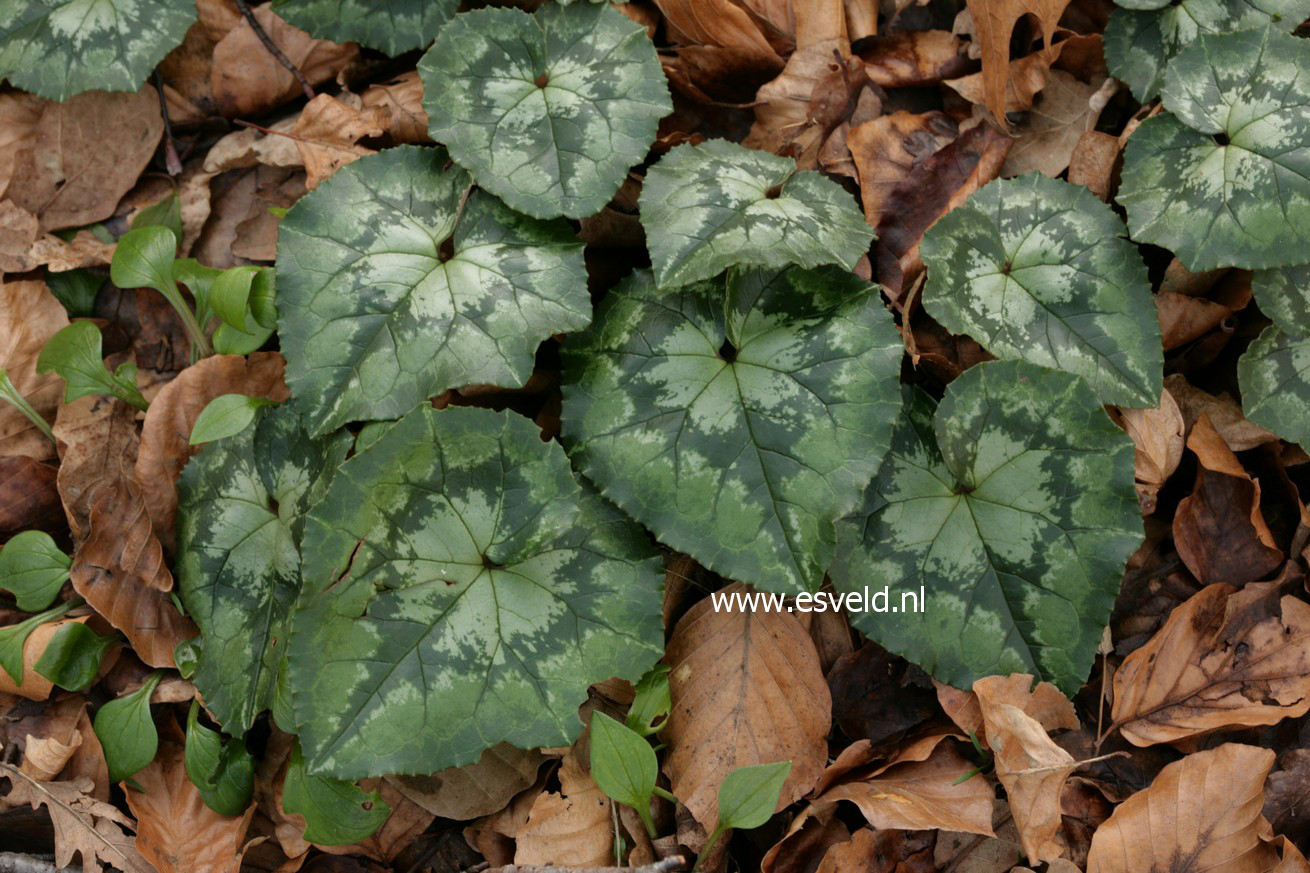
549,110
241,505
395,283
1283,294
718,204
1037,269
58,48
1011,506
462,589
739,418
1274,375
1224,181
390,26
1139,44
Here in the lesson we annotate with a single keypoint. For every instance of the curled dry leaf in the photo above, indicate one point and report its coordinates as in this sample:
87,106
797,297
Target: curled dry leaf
1043,701
1201,813
820,76
1218,529
166,433
1223,411
474,790
29,315
568,829
993,22
1225,659
326,133
746,689
401,101
1157,436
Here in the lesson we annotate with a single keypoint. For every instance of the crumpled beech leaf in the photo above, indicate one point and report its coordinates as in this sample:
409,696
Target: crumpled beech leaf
1012,505
391,26
396,282
241,505
1274,375
1038,269
461,589
58,48
549,110
1224,180
707,207
737,418
1142,37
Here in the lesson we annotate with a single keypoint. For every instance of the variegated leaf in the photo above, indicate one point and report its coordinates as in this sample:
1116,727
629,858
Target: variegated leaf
711,206
1011,507
1224,181
1038,269
550,110
241,505
1142,37
391,26
737,418
461,590
58,48
396,282
1274,375
1284,295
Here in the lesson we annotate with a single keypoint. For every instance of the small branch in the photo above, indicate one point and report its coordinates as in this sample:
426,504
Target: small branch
274,50
171,161
11,862
665,865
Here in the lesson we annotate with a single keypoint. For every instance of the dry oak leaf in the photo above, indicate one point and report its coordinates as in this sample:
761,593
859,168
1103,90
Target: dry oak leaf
1223,411
1065,110
477,789
166,434
922,795
1200,814
327,131
1225,659
176,832
1218,529
401,101
993,22
83,825
747,689
568,829
29,315
1157,436
34,686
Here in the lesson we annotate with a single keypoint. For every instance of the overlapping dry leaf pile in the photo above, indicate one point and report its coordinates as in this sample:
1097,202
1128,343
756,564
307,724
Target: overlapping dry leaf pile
1188,747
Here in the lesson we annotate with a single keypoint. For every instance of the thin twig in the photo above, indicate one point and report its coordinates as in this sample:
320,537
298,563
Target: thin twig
665,865
274,50
11,862
171,161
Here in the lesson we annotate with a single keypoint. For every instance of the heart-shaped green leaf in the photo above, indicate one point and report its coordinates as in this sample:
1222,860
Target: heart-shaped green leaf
550,110
1142,37
1274,375
58,48
395,282
1038,269
739,418
241,505
461,589
1224,181
1283,294
1011,506
715,205
391,26
33,569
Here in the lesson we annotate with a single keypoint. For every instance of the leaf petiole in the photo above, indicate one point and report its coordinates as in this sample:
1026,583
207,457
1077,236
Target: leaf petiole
10,393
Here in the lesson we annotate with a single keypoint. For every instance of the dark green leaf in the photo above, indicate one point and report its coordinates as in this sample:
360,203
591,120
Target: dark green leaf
652,701
76,290
127,731
623,764
396,283
390,26
1283,294
75,354
33,569
13,638
548,111
337,813
1274,374
740,418
461,590
749,795
223,772
1011,508
72,657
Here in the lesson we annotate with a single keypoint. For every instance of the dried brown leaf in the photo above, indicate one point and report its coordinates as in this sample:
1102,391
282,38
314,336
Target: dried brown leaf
327,131
1065,110
870,851
915,58
401,101
1157,436
1093,162
887,149
29,315
994,22
34,686
474,790
568,829
1223,411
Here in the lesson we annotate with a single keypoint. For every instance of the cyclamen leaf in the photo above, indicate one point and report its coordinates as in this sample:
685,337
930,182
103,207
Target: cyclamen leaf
390,26
33,569
377,314
58,48
740,418
550,110
1012,505
1274,375
1139,44
1037,269
241,505
1242,200
461,589
1283,294
711,206
337,813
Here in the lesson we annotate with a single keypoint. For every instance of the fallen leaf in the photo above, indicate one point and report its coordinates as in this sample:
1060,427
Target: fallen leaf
1184,318
820,76
401,101
474,790
1157,436
870,851
1093,161
19,114
176,832
165,436
1043,702
994,22
29,315
1287,791
878,696
29,498
1200,813
746,689
974,853
568,829
1064,111
326,133
1218,529
1223,411
718,24
810,835
45,757
887,149
1227,658
914,58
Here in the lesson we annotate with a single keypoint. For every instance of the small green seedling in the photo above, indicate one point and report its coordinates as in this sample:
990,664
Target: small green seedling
33,569
223,773
127,731
14,638
76,354
226,415
624,766
747,799
10,394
